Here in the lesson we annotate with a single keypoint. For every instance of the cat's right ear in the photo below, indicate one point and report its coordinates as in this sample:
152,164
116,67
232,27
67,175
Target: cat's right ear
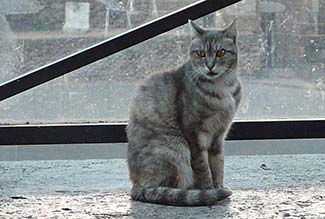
196,30
231,30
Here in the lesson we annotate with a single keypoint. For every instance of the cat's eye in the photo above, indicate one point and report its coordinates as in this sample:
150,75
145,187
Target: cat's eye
220,53
200,53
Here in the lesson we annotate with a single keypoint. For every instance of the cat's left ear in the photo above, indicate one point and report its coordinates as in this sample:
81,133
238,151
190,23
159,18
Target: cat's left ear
196,30
231,30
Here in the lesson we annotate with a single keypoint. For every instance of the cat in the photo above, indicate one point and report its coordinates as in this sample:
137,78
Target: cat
178,122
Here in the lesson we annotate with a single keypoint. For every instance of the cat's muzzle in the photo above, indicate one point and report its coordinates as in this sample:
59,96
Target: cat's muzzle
212,74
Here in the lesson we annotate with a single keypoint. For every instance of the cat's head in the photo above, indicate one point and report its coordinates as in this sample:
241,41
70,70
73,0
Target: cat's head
213,52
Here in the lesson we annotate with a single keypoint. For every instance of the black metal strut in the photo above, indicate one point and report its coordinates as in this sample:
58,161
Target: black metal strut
115,133
110,46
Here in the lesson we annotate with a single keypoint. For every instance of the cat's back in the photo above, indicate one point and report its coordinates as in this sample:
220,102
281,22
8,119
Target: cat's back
154,102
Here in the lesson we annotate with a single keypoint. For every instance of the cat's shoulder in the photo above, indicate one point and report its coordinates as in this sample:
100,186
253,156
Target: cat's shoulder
163,79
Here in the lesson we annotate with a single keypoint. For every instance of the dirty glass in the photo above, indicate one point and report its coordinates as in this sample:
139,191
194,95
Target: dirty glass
282,53
37,32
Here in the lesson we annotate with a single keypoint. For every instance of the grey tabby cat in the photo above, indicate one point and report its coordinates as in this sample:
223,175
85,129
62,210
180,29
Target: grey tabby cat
178,122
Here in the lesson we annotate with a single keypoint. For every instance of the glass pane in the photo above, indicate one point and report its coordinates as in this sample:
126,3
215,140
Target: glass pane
282,59
282,53
35,32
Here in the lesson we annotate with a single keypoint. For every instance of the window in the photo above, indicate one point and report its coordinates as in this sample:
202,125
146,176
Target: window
281,63
35,33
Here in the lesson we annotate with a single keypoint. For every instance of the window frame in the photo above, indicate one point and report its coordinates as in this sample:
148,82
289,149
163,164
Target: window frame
115,132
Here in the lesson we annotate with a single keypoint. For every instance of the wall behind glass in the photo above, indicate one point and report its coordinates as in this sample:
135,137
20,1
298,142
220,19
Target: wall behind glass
37,32
282,53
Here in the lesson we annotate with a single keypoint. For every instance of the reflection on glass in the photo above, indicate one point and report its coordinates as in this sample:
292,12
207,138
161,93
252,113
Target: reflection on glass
282,53
35,32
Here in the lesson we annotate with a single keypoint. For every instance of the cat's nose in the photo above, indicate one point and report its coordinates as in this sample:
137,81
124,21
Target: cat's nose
210,67
209,63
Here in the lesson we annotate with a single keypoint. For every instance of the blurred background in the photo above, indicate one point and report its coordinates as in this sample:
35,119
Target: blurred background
282,53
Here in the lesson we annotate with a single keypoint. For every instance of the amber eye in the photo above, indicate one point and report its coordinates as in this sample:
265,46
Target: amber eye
200,53
220,53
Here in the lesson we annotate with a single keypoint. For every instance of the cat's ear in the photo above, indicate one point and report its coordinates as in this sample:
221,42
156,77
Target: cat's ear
196,30
231,30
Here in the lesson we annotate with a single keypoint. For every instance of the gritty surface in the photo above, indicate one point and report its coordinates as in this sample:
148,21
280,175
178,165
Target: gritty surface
278,186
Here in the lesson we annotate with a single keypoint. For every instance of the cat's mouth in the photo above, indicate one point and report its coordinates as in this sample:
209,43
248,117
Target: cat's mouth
211,74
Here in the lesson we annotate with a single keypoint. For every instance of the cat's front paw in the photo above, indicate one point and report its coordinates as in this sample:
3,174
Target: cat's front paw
225,192
217,185
205,186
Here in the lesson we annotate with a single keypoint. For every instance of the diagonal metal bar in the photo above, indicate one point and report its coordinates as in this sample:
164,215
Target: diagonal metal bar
110,46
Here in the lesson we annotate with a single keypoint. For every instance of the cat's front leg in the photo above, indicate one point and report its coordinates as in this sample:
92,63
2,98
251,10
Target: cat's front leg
216,162
201,169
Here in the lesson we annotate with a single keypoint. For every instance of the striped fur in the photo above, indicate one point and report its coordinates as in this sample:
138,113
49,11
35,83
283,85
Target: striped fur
178,122
180,197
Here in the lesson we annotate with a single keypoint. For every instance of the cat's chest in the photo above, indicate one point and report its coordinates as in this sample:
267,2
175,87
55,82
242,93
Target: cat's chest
219,109
215,125
209,129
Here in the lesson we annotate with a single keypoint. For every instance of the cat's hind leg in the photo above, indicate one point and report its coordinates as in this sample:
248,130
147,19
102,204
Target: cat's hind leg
163,162
158,174
162,179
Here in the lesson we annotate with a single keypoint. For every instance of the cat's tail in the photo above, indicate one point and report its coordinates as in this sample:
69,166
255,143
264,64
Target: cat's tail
180,197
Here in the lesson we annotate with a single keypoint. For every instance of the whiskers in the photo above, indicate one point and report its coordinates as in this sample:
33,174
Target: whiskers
230,68
229,71
196,76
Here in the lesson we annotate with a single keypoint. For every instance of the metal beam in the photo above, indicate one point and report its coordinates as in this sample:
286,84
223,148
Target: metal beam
115,133
110,46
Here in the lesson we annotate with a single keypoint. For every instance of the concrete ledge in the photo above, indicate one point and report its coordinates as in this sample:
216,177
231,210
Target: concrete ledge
286,186
289,203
